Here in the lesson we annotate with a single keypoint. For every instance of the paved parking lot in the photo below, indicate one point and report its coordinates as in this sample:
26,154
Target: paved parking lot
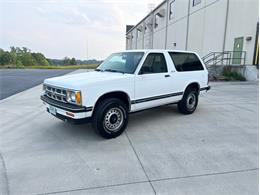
213,151
13,81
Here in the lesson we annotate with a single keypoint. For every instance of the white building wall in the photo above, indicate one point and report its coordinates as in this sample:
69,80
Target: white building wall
134,38
160,31
176,35
139,43
128,42
201,28
196,29
180,10
242,21
148,35
177,25
148,41
207,26
159,39
214,26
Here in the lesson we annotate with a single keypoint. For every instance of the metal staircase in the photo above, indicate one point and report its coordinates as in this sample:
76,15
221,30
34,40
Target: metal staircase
225,58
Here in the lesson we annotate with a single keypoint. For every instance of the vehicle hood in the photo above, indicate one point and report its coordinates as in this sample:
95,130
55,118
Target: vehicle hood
77,81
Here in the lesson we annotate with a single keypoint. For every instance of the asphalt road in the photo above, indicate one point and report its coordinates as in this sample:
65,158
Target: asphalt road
211,152
15,81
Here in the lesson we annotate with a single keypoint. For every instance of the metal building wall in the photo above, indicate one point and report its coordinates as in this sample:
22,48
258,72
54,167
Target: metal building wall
242,22
211,25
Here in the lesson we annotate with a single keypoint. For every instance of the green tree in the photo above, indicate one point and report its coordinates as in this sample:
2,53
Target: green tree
27,59
66,61
19,63
25,50
24,57
6,58
49,61
40,59
1,56
14,55
73,61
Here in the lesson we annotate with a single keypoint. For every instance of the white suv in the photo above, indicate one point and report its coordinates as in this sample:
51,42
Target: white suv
127,82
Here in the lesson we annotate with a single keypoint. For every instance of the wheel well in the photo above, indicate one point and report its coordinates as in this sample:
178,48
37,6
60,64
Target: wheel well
116,94
194,86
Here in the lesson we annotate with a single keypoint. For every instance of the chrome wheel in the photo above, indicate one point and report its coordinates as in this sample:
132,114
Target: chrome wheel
113,119
191,101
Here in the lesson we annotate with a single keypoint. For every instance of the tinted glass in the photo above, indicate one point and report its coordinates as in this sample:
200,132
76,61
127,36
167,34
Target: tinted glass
186,61
154,63
125,62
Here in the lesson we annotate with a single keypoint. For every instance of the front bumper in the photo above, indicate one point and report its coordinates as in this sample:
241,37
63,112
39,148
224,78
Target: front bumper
66,111
71,120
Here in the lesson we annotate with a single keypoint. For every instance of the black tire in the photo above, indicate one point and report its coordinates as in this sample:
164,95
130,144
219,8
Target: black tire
110,113
189,101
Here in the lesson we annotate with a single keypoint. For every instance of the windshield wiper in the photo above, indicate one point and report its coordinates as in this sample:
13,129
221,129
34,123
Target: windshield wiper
111,70
99,70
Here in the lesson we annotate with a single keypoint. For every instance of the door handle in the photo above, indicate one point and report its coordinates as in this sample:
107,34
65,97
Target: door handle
167,75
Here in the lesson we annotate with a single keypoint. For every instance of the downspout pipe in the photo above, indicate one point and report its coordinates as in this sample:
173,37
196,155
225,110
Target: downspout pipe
188,23
225,31
166,25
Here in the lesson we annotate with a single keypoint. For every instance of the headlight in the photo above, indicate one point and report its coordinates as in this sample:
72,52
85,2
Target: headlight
74,97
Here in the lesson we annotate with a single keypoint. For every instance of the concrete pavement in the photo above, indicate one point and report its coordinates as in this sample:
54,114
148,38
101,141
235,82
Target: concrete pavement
213,151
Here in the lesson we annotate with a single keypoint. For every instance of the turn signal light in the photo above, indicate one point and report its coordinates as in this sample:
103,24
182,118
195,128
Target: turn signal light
78,97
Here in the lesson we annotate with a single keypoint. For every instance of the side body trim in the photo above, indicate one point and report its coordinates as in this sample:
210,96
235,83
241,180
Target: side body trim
163,96
155,98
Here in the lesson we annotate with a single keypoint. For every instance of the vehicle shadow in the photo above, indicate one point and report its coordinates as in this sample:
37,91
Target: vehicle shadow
76,132
86,132
158,115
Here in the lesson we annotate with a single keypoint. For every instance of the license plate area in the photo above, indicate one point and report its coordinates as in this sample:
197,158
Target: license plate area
52,110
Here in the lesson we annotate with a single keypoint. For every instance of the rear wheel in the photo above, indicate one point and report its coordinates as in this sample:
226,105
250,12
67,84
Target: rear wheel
189,101
110,118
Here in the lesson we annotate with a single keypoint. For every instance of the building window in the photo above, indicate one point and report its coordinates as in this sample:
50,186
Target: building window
196,2
171,9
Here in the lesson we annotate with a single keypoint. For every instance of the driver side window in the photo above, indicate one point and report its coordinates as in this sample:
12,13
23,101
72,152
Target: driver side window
154,63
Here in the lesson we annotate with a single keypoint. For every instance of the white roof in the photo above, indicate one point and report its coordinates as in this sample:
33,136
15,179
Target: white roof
157,50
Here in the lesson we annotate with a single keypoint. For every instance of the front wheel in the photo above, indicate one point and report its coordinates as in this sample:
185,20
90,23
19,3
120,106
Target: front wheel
110,118
189,101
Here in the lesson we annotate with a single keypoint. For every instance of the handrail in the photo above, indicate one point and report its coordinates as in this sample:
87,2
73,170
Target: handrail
214,58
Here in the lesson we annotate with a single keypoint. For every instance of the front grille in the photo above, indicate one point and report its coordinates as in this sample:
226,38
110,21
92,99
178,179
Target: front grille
56,93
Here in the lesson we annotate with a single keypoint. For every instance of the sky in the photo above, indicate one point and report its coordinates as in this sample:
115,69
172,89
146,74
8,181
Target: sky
84,29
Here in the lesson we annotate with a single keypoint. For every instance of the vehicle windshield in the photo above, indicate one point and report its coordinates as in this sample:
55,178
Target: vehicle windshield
124,62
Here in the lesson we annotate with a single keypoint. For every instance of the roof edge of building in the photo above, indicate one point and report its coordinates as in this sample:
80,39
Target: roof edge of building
146,16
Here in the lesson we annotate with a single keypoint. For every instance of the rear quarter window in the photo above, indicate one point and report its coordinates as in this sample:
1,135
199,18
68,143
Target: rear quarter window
186,61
